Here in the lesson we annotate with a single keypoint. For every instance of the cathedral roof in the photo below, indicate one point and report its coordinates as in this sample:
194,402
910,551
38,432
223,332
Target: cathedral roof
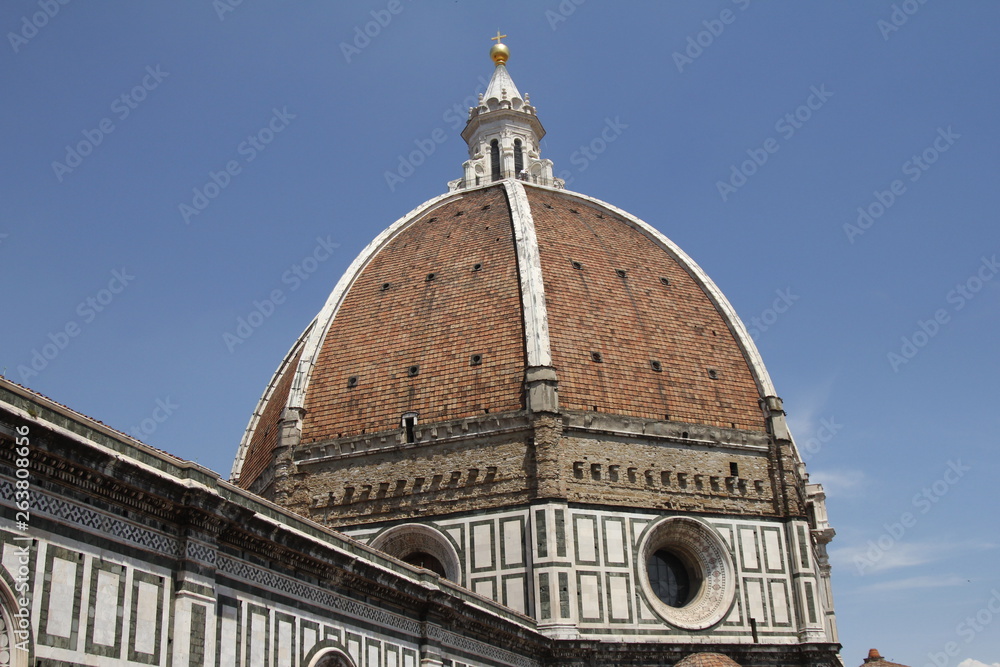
452,310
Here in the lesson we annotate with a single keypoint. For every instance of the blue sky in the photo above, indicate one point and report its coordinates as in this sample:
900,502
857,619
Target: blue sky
750,133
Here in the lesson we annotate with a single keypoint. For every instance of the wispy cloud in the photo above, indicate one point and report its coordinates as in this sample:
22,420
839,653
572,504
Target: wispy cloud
901,554
905,554
913,583
840,483
805,411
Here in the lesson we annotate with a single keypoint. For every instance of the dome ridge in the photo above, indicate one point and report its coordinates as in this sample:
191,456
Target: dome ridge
536,317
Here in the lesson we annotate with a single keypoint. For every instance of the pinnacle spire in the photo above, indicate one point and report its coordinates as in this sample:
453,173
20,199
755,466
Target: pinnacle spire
499,52
503,133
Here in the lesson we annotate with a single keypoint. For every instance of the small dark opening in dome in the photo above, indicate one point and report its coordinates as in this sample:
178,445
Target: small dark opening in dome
459,214
475,360
432,220
665,281
352,382
409,427
386,286
655,365
712,373
413,371
477,266
431,276
577,265
620,273
485,208
426,561
573,210
597,356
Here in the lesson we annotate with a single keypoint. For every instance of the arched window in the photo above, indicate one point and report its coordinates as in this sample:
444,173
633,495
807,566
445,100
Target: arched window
495,159
518,158
422,546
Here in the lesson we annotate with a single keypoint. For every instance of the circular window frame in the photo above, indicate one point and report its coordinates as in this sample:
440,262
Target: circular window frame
408,538
710,568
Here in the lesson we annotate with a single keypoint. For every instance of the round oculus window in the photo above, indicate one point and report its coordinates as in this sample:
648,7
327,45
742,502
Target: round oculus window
686,573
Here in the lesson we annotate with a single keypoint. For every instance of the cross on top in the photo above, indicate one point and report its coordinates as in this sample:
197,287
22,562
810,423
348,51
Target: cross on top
498,37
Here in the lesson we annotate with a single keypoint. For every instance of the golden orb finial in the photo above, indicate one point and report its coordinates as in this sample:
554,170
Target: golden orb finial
499,52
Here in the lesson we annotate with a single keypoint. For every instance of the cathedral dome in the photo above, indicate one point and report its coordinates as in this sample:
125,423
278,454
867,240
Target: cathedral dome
458,308
452,309
483,309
